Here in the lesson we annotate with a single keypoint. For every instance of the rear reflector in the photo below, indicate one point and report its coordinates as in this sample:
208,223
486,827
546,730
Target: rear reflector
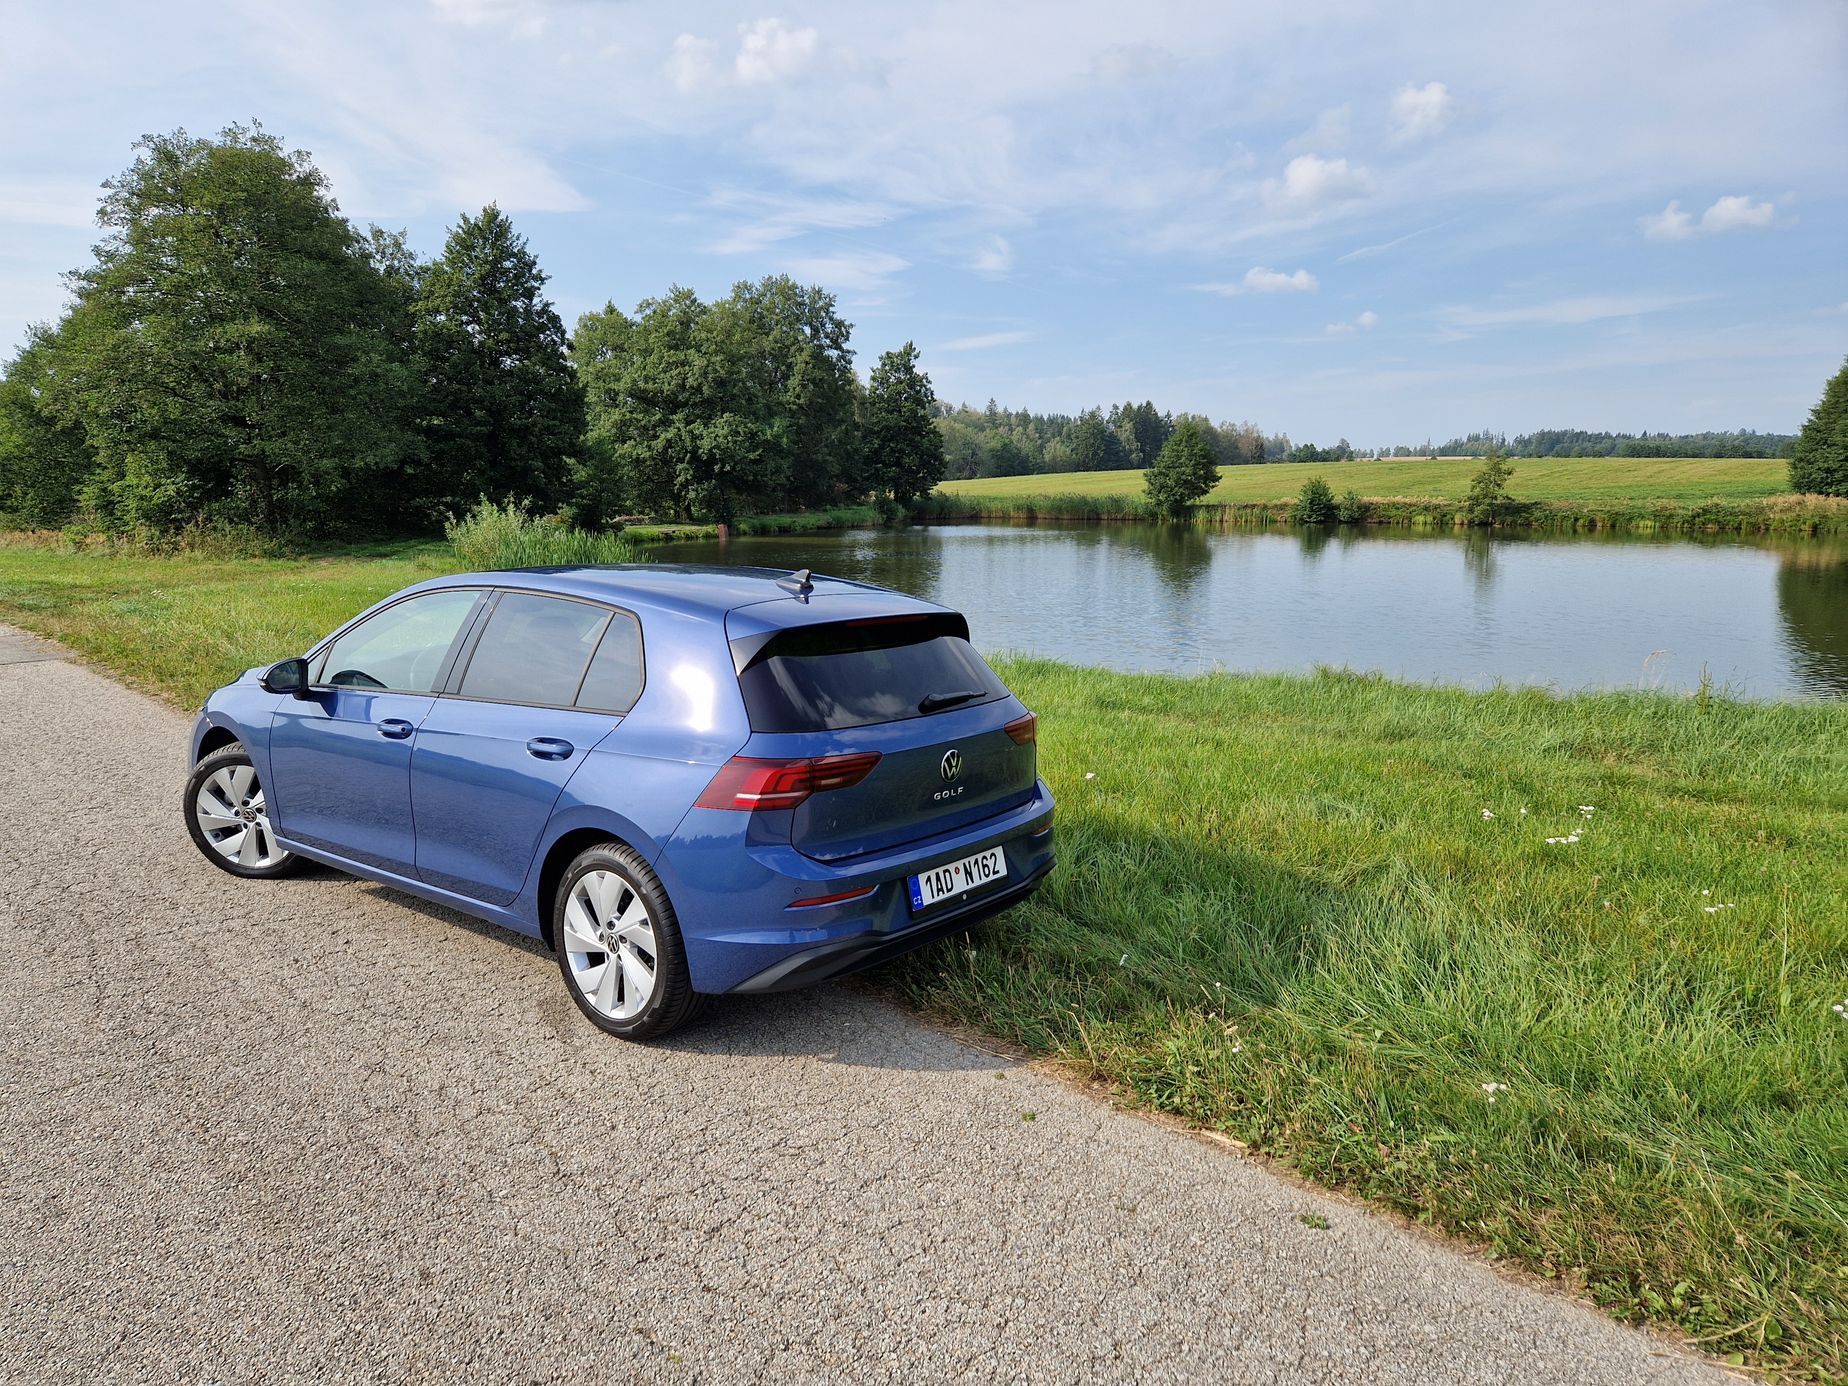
1024,730
842,898
749,784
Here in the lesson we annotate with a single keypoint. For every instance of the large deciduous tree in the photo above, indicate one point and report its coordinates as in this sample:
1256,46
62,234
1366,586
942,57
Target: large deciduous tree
227,358
904,450
503,412
1183,471
1819,464
44,459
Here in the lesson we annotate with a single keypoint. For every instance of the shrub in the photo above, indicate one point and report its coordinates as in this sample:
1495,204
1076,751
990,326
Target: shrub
1183,472
494,536
1819,463
1315,505
1488,500
1351,509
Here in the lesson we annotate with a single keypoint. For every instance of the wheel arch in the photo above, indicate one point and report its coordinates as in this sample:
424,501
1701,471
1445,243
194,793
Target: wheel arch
215,738
558,857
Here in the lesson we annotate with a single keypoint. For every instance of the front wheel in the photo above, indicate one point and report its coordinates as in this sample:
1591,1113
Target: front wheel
228,817
619,945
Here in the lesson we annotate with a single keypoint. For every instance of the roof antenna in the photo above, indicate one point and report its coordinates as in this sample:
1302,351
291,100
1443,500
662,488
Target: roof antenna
797,584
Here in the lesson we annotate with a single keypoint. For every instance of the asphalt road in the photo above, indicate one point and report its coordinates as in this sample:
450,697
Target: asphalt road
312,1130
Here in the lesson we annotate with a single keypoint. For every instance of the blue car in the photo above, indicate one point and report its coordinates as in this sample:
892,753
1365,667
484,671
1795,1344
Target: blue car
688,781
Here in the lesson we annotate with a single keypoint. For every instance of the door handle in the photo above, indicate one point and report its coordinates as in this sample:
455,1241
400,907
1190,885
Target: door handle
396,728
550,748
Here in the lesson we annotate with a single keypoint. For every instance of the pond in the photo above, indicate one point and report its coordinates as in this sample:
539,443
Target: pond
1763,619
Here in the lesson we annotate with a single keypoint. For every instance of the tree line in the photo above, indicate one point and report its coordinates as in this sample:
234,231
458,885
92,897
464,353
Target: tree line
238,353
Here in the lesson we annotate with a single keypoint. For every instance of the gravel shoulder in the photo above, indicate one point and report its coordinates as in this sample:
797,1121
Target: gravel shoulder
313,1129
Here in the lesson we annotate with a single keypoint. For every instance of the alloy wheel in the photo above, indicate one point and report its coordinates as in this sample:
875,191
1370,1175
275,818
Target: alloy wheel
234,818
609,944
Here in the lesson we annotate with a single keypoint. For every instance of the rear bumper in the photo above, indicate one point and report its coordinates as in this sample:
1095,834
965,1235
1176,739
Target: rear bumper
755,913
848,955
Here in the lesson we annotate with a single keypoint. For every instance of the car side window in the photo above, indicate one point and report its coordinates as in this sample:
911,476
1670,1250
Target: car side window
614,681
403,647
534,650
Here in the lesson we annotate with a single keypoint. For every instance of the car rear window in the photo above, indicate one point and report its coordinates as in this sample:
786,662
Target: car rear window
534,650
857,673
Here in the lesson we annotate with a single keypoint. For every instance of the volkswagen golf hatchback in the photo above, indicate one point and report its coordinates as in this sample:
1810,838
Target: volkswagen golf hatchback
688,781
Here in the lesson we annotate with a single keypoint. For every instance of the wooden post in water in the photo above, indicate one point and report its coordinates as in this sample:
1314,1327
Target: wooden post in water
724,534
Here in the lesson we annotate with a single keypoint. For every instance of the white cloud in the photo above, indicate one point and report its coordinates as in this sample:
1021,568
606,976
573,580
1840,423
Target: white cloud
1331,130
995,258
1732,213
1128,62
770,51
1311,184
778,219
1366,322
852,269
523,16
984,342
1736,214
1669,224
1567,312
1420,112
689,63
1259,280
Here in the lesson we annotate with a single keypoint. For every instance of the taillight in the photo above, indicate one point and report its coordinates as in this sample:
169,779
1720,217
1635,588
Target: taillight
1024,730
748,784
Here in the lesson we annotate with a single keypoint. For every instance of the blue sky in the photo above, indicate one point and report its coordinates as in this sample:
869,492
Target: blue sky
1372,221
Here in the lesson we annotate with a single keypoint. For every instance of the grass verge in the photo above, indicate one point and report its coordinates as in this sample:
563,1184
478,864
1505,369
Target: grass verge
1579,479
1786,514
1321,915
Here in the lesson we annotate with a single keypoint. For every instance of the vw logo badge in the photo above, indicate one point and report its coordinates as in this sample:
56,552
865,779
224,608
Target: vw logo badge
951,766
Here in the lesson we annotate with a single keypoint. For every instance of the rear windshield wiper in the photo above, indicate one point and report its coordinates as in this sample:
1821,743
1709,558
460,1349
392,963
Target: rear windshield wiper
936,702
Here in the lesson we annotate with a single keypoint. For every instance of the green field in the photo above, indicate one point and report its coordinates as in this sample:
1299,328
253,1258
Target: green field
1535,478
1321,915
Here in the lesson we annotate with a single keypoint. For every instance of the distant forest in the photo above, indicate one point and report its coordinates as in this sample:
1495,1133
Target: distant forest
993,441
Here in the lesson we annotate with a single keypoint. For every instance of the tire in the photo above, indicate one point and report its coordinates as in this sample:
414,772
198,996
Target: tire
619,946
227,814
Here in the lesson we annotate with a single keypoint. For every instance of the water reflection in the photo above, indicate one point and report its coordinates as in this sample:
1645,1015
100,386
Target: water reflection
1812,601
1563,611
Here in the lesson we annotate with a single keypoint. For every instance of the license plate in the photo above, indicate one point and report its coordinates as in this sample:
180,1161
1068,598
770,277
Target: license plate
946,882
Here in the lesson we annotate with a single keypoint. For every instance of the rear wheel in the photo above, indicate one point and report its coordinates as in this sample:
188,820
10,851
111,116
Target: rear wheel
227,814
619,945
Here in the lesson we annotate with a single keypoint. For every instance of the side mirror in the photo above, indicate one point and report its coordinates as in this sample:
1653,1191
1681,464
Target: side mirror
290,676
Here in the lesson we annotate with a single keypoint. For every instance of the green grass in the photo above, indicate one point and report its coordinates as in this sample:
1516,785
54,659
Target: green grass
181,626
1281,913
1535,478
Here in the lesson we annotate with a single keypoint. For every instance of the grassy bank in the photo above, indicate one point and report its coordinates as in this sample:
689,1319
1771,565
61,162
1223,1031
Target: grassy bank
1791,515
1284,911
1321,915
1579,479
801,522
1620,494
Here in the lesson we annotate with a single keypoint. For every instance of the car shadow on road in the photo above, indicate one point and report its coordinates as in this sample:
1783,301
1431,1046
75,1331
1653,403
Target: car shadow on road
829,1023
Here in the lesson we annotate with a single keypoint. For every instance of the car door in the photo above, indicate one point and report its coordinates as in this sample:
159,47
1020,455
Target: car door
546,679
340,758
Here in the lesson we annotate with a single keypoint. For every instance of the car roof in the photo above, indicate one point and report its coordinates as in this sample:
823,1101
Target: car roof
697,589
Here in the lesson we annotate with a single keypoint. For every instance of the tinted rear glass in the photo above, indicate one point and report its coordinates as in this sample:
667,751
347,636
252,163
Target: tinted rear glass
615,678
854,674
534,650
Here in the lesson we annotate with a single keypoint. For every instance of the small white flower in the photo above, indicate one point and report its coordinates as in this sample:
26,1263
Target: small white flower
1587,810
1487,814
1239,1048
1492,1088
1567,840
1715,909
1123,961
1706,892
1090,774
1841,1009
1523,813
